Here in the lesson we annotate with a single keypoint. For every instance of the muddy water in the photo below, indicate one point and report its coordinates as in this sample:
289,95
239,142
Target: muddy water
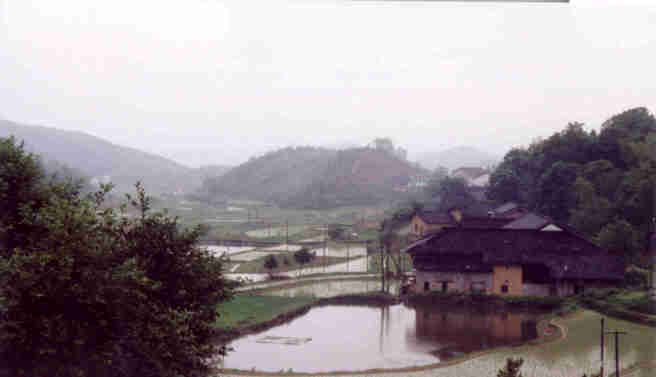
334,338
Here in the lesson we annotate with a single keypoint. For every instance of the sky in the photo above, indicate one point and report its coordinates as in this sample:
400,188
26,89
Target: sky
216,82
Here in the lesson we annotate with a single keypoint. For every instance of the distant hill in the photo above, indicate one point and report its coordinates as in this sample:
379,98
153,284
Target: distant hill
97,158
312,177
457,157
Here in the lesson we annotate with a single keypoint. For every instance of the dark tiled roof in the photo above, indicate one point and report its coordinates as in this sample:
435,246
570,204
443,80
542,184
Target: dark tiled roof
529,221
565,254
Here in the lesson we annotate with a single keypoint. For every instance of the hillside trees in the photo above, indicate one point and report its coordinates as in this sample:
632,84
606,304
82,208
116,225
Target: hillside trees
87,292
602,183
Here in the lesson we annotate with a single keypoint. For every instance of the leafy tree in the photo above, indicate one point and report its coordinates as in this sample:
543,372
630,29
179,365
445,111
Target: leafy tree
620,237
594,182
271,263
86,291
512,368
303,256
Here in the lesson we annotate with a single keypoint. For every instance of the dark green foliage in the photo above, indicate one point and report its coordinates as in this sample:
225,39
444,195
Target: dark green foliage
635,279
451,192
512,368
88,292
270,263
600,184
303,256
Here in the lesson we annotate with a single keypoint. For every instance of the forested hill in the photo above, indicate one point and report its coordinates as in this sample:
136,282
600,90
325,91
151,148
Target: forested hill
316,177
94,157
601,183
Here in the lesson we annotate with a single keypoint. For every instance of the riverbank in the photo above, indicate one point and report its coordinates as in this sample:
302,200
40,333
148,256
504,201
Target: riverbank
624,304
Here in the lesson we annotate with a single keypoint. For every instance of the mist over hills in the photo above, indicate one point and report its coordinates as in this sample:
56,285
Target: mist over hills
457,157
311,177
97,158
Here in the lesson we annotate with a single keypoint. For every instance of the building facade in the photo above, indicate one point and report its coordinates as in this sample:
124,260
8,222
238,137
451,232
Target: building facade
512,262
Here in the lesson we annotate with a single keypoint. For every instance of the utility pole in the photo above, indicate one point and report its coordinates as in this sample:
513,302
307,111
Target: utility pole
287,235
347,256
602,347
325,230
617,350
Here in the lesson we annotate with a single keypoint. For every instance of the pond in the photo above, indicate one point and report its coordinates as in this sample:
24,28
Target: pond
331,338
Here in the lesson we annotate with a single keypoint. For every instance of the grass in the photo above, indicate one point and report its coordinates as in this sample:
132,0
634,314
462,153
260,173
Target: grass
257,265
248,310
621,302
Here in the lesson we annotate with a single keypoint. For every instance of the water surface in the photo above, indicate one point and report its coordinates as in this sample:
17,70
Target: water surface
359,338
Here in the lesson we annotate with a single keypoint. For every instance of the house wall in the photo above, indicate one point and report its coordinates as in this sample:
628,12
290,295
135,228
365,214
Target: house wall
456,281
532,289
508,275
420,228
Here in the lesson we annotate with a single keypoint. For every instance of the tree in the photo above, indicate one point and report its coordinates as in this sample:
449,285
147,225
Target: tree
85,291
512,368
270,263
303,256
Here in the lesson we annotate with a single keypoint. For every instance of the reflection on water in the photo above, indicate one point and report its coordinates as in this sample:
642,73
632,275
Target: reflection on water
359,338
468,331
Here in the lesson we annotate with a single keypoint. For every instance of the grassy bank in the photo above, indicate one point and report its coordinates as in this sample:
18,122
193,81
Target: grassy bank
629,305
247,310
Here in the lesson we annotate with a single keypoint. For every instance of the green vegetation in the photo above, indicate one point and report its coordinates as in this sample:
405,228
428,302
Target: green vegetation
285,261
602,184
85,291
248,310
622,303
317,178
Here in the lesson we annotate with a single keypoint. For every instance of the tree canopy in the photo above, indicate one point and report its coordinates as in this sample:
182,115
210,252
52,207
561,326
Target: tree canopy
86,291
602,183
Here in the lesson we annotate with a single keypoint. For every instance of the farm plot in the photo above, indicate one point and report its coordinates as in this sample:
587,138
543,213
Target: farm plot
217,250
283,247
351,252
278,231
249,256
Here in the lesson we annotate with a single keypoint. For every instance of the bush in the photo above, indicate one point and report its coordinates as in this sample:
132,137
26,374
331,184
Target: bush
635,279
87,292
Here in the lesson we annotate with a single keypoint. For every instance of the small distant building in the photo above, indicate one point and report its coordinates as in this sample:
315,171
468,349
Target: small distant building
513,262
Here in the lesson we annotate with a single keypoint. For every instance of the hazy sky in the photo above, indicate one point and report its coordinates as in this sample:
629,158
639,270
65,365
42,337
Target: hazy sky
216,81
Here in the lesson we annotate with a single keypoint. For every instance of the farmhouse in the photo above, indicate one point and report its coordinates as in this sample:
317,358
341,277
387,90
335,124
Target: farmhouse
512,262
424,223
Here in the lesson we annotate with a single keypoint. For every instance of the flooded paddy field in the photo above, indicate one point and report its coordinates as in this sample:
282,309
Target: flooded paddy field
333,338
427,337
